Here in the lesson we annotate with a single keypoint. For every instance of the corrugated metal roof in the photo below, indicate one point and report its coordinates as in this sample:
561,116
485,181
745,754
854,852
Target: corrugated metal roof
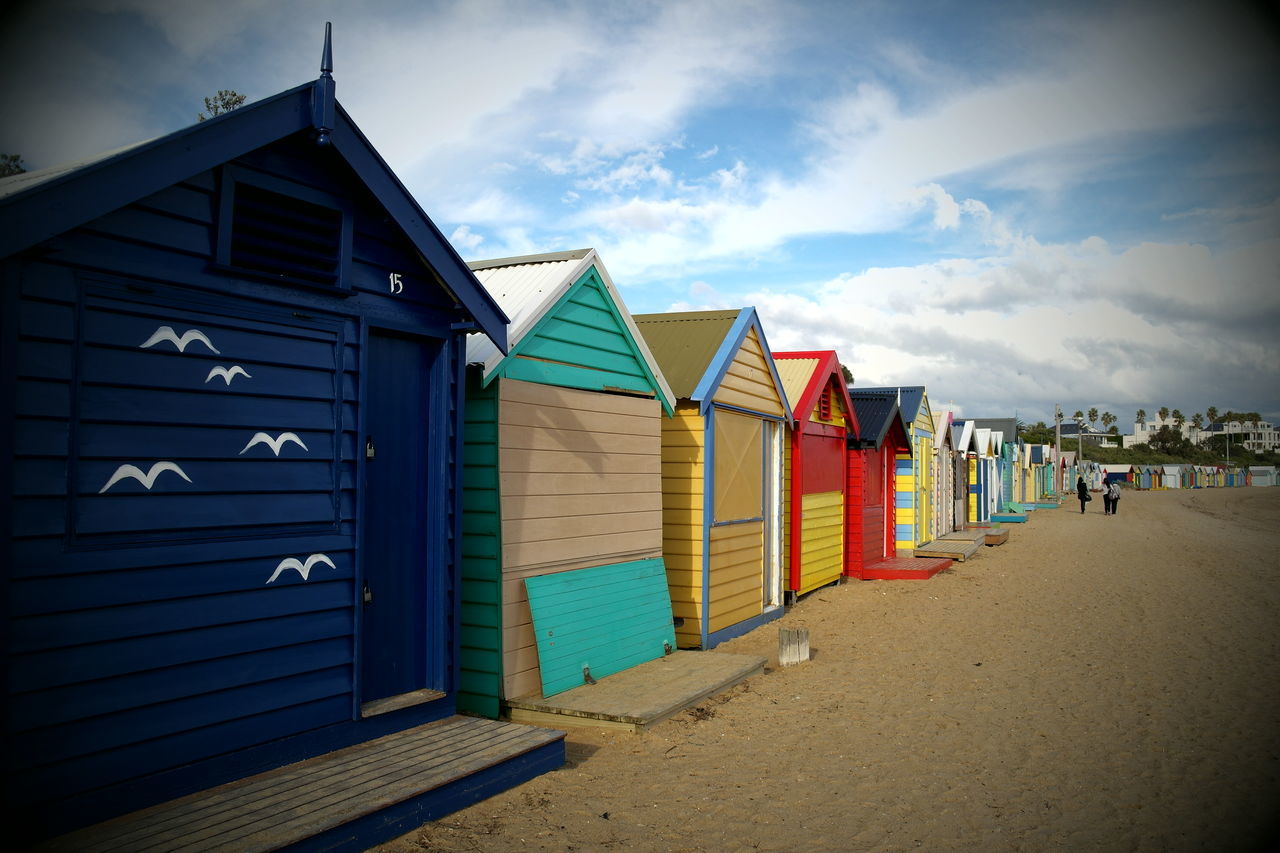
527,287
524,289
912,396
795,374
875,414
684,343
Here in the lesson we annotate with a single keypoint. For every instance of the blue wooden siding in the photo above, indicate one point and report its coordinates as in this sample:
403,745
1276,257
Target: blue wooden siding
480,684
176,623
607,618
581,342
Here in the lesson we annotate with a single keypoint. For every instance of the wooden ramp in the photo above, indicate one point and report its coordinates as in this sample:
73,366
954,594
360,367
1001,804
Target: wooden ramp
996,537
970,534
636,698
905,568
952,549
347,800
1009,517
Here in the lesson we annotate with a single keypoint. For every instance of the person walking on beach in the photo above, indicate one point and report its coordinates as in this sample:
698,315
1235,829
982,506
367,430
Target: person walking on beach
1106,497
1113,492
1083,492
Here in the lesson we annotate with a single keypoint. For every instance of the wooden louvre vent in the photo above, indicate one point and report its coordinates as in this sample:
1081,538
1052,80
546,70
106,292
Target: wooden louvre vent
284,236
824,404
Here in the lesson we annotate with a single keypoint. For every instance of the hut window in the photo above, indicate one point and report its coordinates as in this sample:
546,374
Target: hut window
283,235
739,473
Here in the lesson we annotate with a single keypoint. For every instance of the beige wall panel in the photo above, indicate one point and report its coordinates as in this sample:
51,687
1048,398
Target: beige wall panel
583,459
525,483
551,396
557,506
599,550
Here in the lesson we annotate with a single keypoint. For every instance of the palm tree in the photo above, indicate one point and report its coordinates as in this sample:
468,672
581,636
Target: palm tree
1141,416
1093,414
1107,420
1164,414
1212,414
1179,418
1197,421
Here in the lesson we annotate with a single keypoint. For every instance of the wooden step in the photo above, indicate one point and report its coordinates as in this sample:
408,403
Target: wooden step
951,549
904,568
996,537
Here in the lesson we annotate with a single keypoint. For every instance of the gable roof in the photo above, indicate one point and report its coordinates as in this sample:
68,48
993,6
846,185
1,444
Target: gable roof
685,343
40,205
876,412
962,436
804,376
696,348
528,287
942,429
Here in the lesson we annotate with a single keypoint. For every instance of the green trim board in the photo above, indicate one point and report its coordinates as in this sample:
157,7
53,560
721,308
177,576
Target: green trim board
605,618
480,681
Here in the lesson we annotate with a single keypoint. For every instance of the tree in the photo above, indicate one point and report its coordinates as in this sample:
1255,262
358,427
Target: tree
1212,414
11,164
1141,416
1164,414
1093,414
847,374
1079,415
224,101
1169,441
1179,418
1107,420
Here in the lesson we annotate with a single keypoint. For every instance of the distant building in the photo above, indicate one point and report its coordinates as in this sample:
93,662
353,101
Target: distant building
1259,436
1084,432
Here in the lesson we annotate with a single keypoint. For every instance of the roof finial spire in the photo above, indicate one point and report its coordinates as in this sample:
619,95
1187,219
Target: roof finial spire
326,59
322,95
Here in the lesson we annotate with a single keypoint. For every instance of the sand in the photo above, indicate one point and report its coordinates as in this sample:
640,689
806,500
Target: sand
1097,683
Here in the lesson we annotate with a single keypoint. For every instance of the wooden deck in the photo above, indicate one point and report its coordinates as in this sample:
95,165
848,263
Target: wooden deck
952,549
905,568
636,698
1009,517
347,800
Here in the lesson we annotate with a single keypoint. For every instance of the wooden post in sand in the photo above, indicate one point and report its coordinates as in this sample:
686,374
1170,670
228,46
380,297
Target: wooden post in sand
793,646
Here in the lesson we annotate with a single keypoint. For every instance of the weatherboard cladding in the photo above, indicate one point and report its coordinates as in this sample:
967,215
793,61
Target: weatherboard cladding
189,445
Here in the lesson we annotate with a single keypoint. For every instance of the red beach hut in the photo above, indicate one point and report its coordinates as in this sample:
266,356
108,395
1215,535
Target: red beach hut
824,421
869,518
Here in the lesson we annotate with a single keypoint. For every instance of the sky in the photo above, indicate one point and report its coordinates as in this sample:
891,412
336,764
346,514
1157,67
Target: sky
1015,205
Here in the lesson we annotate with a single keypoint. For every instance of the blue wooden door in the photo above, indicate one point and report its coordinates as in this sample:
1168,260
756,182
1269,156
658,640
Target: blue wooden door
395,656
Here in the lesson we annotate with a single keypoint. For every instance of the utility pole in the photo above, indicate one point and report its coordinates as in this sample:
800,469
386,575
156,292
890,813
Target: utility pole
1080,444
1057,448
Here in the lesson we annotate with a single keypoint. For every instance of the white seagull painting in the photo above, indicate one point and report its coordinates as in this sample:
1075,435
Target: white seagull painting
274,443
300,567
166,333
227,374
147,479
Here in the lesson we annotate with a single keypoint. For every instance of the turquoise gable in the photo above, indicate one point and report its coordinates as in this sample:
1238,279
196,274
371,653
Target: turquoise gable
582,342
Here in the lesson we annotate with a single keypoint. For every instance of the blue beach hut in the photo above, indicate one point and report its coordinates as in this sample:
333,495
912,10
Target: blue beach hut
232,375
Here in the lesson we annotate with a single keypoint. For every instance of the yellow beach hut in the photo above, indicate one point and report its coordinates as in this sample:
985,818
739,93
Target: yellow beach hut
722,456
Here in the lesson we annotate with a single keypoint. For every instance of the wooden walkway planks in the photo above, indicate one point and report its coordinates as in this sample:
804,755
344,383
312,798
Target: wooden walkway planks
299,801
638,697
952,549
905,568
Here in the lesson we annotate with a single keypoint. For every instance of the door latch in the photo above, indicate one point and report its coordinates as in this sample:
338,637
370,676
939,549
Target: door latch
369,452
368,594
